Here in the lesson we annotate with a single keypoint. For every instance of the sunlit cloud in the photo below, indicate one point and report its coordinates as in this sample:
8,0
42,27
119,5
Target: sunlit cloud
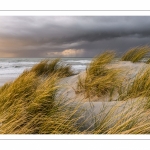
67,53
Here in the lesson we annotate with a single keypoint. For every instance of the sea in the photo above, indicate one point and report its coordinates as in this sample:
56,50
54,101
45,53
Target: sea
11,68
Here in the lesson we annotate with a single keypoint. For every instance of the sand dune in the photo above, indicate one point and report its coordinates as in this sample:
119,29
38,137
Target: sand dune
100,107
69,85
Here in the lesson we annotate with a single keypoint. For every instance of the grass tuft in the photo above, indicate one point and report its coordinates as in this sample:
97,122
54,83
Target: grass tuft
29,106
148,61
99,79
49,67
140,85
135,54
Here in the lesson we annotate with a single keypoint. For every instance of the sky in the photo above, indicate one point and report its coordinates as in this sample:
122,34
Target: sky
71,36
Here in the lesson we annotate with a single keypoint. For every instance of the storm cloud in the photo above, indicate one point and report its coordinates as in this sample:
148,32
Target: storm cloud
73,36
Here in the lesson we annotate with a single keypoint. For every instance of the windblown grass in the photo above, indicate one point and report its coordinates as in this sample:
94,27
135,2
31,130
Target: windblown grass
128,117
28,105
49,67
129,123
135,54
140,85
99,79
148,61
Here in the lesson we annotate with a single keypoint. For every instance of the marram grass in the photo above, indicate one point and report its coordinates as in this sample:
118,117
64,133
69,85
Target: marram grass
148,61
136,54
49,67
130,118
29,104
140,86
99,79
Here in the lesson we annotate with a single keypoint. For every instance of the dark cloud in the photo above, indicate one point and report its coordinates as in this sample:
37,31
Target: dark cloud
39,36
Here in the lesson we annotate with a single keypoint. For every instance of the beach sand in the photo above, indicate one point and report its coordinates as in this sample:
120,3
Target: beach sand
101,106
68,86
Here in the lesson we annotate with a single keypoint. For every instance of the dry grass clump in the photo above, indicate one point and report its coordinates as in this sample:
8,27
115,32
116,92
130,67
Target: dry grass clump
132,118
140,85
28,105
48,67
147,104
135,54
99,79
148,61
